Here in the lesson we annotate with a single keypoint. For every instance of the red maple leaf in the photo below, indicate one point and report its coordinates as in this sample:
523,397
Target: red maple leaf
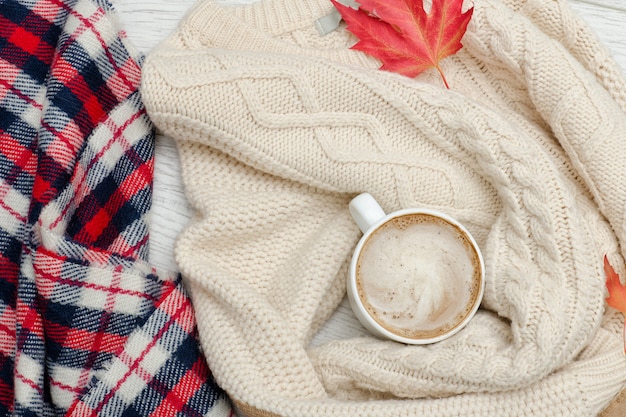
403,36
617,292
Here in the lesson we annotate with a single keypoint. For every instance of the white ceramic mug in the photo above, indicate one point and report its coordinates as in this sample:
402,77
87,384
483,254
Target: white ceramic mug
417,276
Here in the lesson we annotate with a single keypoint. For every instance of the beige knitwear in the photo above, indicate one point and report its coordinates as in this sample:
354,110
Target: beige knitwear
279,127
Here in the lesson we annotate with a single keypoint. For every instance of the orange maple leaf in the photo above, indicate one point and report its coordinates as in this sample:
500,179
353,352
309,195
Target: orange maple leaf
403,36
617,292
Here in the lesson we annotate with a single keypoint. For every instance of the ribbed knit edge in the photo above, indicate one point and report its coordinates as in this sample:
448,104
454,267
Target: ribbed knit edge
617,408
279,16
255,28
268,17
597,373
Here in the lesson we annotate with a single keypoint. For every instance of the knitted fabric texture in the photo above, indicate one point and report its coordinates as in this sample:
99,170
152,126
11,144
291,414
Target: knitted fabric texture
87,327
278,128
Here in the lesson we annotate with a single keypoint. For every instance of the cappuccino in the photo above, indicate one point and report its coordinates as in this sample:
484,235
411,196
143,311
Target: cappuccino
419,276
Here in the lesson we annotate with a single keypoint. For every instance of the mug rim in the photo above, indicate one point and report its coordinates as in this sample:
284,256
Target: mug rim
355,300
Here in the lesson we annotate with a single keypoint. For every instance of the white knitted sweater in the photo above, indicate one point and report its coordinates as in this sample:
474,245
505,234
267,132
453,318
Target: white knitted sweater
278,128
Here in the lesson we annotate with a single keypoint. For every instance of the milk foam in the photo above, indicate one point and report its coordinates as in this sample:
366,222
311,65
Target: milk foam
418,276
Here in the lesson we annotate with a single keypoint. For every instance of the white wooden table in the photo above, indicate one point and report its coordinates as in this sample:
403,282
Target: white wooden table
148,22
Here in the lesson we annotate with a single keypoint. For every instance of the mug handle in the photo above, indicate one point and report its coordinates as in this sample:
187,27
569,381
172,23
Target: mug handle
366,211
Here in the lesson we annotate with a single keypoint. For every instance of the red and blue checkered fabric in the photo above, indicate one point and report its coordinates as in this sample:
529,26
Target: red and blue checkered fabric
87,327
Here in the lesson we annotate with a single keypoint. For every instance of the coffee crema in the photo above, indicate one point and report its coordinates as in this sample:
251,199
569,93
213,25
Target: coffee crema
419,276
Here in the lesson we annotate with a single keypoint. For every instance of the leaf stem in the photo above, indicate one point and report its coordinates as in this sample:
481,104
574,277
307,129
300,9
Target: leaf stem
443,77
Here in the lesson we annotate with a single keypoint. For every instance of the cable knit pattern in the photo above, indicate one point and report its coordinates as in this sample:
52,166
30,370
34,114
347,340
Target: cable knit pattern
279,128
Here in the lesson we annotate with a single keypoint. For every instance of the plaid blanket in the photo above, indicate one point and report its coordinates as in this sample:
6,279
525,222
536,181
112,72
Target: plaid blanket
87,327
